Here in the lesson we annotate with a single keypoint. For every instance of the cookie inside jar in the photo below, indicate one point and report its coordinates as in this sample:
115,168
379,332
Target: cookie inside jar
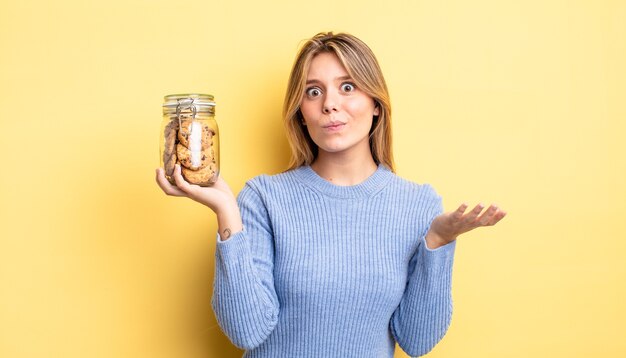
190,139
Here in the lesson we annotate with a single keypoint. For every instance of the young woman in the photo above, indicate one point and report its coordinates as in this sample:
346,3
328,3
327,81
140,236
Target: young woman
338,256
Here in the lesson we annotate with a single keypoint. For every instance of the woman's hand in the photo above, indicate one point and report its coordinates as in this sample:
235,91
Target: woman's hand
218,198
446,227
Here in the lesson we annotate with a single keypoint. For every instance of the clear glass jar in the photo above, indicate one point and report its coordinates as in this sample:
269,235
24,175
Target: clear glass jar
189,137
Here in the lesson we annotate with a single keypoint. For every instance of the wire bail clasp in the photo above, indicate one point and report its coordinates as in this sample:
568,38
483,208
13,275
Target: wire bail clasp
183,104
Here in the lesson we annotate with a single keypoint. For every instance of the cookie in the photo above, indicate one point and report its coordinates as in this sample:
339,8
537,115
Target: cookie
169,134
169,167
195,135
203,177
169,153
192,159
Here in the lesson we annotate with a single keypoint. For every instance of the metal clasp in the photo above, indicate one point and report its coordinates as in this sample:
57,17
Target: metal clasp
185,103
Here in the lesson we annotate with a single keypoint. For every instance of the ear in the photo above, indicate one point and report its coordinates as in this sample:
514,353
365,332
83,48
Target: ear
377,110
301,118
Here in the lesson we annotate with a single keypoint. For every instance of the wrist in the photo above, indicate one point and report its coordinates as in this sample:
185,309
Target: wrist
434,240
229,222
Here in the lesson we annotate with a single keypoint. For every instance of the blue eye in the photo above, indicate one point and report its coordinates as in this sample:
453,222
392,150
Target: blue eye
313,92
348,87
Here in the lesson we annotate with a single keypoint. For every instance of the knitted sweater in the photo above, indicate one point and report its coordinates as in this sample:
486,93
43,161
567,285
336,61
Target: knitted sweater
322,270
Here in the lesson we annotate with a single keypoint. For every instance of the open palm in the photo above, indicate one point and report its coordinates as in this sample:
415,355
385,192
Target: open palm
446,227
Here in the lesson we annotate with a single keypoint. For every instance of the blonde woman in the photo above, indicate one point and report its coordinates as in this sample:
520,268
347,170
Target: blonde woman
337,256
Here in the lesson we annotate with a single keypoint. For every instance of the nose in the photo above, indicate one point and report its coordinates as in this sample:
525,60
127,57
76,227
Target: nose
331,103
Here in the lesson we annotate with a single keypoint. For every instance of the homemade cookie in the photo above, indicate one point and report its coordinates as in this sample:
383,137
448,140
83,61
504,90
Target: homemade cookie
194,160
169,154
169,167
170,132
203,177
195,135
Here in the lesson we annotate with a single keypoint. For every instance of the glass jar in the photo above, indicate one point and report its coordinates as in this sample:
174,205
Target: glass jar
189,137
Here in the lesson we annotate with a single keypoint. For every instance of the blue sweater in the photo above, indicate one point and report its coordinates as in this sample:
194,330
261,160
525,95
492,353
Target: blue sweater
322,270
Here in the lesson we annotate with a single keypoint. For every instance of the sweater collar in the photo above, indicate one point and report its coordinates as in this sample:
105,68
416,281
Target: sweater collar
366,189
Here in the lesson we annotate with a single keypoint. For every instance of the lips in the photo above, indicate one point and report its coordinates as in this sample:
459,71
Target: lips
334,125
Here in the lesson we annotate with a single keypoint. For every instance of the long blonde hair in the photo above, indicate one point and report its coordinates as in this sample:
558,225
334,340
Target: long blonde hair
361,64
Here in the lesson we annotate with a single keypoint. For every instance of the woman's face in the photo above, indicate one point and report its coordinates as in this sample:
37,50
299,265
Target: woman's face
337,114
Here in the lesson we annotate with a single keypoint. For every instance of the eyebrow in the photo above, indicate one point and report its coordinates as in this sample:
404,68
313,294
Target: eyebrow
342,78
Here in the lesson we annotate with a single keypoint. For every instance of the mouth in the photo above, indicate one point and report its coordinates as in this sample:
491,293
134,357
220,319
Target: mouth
334,126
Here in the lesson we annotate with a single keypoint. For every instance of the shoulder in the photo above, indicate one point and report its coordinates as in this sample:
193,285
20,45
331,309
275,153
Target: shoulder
269,185
421,200
413,190
416,198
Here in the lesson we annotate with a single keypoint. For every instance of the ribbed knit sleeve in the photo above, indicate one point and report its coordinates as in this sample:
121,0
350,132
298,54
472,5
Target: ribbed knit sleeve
244,297
424,313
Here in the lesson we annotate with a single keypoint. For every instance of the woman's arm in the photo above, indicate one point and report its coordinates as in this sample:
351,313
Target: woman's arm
244,297
422,318
425,311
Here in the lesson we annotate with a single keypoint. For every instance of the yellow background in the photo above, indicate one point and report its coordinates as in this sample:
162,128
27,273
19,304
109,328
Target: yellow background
522,103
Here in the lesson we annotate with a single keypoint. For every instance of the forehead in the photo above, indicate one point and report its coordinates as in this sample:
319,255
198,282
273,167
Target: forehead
326,64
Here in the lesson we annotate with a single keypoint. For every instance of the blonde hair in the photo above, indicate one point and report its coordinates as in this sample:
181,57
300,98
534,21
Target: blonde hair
361,64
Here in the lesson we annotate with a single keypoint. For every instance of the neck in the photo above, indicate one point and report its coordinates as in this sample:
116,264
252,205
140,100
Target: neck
344,170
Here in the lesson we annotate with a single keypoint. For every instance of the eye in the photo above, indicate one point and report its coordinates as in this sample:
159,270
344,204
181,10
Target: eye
348,87
313,92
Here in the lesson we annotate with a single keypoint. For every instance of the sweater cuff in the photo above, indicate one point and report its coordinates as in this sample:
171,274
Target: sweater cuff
234,248
441,256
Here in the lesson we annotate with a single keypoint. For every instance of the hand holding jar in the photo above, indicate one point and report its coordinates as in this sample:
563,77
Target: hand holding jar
189,150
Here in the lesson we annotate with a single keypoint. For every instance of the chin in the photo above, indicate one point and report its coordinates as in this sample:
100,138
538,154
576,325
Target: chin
333,147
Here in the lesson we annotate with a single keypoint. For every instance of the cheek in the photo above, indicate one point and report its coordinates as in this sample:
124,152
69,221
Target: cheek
307,109
362,109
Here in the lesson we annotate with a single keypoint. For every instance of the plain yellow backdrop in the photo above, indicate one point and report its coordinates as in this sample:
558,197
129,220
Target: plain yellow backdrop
521,103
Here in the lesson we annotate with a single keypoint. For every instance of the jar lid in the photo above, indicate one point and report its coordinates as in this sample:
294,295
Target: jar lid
191,101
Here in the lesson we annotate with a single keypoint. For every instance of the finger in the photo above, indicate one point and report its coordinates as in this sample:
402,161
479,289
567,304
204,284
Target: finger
181,183
487,217
472,215
458,213
495,217
165,185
